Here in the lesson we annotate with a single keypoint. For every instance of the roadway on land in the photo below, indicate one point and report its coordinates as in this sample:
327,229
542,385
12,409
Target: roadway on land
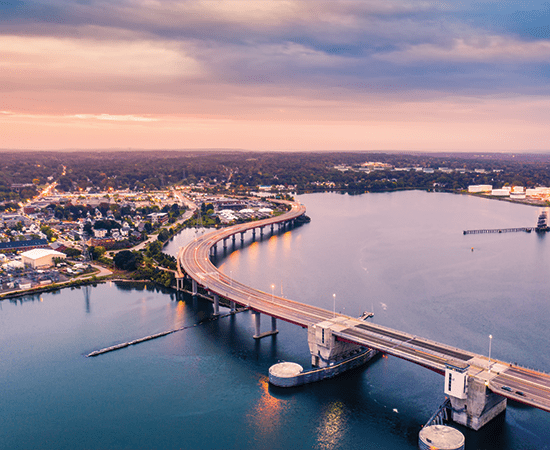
517,383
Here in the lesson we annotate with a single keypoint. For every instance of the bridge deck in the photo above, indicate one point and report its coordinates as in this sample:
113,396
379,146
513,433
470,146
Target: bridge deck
524,385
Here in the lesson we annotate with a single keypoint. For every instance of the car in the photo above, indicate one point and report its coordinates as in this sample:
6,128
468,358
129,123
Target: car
506,388
520,393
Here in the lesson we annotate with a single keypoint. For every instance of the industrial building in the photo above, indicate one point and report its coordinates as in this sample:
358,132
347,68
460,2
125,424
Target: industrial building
41,257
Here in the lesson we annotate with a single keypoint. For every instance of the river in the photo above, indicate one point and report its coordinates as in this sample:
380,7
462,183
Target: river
402,255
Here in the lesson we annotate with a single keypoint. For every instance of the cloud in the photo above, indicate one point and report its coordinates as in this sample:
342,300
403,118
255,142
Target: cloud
89,58
486,49
116,118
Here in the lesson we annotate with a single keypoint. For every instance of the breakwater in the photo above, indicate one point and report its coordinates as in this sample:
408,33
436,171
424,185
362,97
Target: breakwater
112,348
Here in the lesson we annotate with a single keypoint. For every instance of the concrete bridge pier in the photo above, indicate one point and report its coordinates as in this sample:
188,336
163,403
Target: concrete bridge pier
242,237
225,243
179,283
233,308
253,234
261,231
216,305
233,237
194,287
272,228
473,404
325,349
258,334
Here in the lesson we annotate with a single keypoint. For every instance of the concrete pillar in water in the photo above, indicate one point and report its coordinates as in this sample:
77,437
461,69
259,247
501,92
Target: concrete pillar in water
325,349
242,236
256,324
233,309
216,305
194,287
258,334
473,403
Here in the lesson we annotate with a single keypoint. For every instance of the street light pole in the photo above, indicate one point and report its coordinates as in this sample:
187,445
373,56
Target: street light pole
490,341
334,305
272,287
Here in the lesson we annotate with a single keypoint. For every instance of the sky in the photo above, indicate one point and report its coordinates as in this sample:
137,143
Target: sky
310,75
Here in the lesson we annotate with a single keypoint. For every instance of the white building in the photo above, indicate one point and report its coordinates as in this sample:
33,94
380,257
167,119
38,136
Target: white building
501,192
41,257
477,188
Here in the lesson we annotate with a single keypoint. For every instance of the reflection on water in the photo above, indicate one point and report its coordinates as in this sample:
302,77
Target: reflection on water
265,416
332,428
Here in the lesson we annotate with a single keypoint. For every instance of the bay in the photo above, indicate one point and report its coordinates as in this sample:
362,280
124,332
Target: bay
402,255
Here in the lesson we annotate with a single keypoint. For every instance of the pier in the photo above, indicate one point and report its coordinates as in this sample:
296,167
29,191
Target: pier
500,230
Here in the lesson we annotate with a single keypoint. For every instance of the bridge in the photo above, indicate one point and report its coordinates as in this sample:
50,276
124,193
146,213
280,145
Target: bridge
477,386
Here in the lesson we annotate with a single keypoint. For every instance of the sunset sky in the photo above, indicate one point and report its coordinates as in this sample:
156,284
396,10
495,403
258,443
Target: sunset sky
275,75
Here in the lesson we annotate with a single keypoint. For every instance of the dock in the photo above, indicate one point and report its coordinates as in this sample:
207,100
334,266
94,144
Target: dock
500,230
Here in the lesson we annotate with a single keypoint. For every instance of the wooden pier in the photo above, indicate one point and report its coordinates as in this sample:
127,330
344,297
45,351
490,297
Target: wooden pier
500,230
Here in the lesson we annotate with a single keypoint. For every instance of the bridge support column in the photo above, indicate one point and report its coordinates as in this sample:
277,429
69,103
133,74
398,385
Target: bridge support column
253,234
242,236
473,403
233,237
225,243
179,284
233,309
257,334
272,228
257,318
261,231
194,287
216,305
325,349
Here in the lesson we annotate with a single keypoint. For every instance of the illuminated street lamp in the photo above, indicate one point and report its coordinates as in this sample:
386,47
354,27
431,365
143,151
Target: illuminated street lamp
272,287
334,305
490,341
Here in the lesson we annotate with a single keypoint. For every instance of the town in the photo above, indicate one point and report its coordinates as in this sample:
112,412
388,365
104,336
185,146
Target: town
57,238
69,218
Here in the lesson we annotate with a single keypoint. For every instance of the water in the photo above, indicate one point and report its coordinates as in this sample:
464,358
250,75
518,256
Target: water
401,254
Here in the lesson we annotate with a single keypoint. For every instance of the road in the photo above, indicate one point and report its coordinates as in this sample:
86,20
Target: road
526,386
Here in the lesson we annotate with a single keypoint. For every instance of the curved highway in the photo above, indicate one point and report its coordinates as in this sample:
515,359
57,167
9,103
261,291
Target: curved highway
517,383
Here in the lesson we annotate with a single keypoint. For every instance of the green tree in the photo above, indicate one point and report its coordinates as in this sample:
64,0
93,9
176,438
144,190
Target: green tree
163,235
96,252
125,260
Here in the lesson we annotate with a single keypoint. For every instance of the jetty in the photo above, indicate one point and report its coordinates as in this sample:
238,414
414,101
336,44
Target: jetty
500,230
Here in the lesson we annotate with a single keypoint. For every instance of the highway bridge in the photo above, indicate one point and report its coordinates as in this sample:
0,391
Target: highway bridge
476,385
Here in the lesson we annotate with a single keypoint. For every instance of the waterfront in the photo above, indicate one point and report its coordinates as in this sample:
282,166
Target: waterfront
401,254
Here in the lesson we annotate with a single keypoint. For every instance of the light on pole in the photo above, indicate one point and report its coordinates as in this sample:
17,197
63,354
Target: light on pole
272,287
490,341
334,305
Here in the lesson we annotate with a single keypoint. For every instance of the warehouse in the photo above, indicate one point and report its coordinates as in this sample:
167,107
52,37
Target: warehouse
41,257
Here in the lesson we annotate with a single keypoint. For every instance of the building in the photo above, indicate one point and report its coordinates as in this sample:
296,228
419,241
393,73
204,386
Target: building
23,245
41,257
477,188
161,218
